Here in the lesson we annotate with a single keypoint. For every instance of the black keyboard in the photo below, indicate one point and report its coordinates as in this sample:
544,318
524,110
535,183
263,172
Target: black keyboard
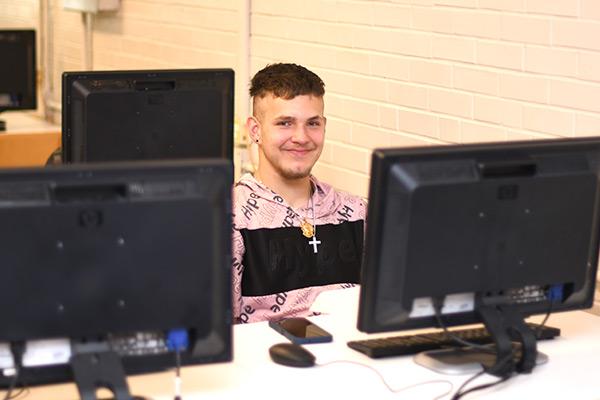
413,344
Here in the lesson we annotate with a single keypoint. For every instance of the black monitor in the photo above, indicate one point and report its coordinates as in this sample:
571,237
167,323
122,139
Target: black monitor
488,233
116,262
144,115
17,71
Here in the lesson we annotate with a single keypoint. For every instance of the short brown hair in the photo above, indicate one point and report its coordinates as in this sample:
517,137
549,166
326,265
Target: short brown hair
286,81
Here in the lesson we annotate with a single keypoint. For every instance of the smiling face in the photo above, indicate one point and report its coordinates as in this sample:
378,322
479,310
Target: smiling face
290,135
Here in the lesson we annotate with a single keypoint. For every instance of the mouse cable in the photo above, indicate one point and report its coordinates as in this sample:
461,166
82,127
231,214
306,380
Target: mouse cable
387,385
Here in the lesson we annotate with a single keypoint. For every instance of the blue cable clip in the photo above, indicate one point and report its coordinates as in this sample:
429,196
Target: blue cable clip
555,293
177,340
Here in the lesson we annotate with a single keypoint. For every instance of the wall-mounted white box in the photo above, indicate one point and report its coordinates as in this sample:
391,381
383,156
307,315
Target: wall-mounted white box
92,6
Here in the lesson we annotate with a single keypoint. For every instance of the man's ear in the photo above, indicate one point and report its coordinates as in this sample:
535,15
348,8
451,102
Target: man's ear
253,127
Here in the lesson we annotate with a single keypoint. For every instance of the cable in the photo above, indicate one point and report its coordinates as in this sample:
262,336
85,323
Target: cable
387,385
538,330
437,308
177,375
21,391
177,340
17,349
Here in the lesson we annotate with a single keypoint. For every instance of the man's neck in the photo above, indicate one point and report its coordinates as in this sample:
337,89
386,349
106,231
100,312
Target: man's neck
296,192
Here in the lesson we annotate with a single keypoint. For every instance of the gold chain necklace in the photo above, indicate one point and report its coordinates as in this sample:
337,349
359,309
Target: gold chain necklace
308,230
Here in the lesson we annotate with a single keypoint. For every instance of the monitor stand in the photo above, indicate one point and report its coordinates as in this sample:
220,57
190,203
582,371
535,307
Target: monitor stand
461,361
94,367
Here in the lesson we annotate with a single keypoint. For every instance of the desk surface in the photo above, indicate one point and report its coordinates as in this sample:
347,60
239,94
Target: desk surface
572,371
28,140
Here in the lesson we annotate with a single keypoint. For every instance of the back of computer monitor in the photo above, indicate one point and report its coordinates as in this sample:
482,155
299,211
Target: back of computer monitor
18,84
116,252
515,223
144,115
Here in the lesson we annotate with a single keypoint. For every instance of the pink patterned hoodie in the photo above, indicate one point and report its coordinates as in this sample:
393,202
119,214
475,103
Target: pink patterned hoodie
277,273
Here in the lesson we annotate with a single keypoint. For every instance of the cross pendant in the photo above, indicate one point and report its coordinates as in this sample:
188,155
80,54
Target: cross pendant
314,242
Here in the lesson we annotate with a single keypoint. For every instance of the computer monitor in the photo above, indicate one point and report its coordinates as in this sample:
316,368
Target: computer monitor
114,259
488,233
17,71
145,115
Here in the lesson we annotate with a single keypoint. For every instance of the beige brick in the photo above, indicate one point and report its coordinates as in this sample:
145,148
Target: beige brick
431,72
400,139
589,66
368,88
326,153
389,66
498,111
590,9
503,5
457,3
451,102
262,47
417,122
416,2
408,95
525,29
480,133
265,25
587,125
439,20
524,87
409,43
478,24
453,48
391,15
338,129
335,105
388,117
355,13
351,157
200,17
476,80
548,120
449,130
352,61
575,95
568,8
342,179
500,55
360,111
514,135
369,137
550,61
336,34
576,33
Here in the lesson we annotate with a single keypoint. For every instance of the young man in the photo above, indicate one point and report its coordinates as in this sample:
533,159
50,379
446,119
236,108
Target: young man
293,235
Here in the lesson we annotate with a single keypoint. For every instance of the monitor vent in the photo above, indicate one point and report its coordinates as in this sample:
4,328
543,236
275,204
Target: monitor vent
11,194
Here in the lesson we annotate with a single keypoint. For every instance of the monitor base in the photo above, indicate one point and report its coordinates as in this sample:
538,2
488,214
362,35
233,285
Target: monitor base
462,361
102,369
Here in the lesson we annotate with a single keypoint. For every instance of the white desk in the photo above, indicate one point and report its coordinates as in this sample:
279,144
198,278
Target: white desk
573,371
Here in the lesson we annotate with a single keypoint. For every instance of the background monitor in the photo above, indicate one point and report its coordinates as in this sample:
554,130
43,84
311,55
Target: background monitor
511,227
17,71
143,115
115,256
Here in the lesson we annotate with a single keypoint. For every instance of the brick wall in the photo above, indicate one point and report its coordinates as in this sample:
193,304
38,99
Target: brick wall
398,73
421,72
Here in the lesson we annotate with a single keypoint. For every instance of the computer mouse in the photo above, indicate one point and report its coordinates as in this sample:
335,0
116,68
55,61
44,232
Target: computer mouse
291,355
